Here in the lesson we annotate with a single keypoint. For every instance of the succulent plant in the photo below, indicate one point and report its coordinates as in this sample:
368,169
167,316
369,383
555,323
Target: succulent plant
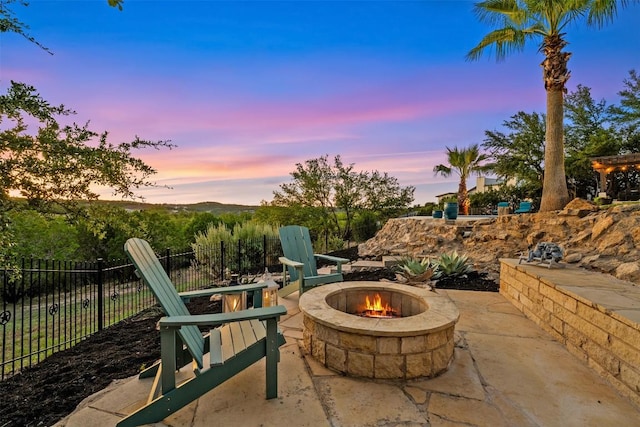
414,270
451,264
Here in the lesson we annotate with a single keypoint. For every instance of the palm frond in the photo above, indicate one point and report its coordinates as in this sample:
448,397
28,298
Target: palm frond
602,12
442,170
504,40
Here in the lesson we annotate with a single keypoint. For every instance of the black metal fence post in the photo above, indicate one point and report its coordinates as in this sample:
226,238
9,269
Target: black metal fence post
239,255
222,256
99,278
167,264
264,252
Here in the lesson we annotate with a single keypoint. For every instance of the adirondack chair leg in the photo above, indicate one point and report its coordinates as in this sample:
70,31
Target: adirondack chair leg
272,357
175,399
289,289
297,285
183,358
167,354
155,387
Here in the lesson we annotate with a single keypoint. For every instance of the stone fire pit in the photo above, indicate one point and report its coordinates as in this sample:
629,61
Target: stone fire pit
418,344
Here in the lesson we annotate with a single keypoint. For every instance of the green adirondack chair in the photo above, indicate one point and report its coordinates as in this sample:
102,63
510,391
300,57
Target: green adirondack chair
299,262
524,207
242,338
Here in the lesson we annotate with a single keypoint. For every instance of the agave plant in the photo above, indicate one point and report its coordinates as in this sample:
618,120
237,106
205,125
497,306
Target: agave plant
414,270
451,264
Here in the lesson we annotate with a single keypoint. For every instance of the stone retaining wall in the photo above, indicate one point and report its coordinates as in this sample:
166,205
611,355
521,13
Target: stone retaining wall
596,316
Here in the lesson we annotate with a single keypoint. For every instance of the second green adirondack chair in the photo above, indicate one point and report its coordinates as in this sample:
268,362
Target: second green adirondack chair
300,261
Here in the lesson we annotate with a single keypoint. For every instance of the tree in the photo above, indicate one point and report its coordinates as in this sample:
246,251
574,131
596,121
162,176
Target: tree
518,154
62,162
588,133
337,191
9,23
464,162
626,116
519,21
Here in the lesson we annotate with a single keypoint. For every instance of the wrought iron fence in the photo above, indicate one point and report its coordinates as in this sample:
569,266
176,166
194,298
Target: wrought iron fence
48,306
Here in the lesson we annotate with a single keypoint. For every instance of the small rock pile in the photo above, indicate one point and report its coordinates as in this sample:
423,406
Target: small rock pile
604,240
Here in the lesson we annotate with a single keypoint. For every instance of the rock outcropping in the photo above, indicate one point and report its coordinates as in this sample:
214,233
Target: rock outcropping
603,240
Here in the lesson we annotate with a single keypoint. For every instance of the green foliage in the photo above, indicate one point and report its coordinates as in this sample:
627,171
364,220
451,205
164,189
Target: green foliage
208,245
44,237
365,226
592,129
339,192
589,132
333,243
626,116
199,222
62,162
519,153
451,265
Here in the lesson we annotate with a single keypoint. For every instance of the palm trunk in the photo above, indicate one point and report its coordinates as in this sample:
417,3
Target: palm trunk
554,187
463,197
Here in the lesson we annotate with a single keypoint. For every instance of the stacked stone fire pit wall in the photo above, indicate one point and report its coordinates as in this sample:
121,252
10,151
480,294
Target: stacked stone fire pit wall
607,241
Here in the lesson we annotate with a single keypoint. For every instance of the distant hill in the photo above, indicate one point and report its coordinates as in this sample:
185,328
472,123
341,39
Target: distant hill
213,207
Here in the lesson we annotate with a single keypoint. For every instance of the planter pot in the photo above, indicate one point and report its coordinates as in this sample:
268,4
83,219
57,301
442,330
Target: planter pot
450,210
437,214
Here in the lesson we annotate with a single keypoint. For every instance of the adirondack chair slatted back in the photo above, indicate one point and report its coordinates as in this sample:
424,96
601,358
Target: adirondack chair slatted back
296,245
153,274
524,207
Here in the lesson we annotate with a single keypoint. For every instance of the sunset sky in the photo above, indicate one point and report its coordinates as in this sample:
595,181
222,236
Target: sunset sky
248,89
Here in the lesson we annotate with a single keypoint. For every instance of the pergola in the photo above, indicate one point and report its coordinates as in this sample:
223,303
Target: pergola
609,164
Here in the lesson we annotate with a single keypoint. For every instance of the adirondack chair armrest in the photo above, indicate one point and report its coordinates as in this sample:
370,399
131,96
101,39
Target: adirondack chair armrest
337,260
185,296
290,263
221,318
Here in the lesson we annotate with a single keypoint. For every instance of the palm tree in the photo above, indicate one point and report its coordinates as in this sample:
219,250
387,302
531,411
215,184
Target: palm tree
518,21
464,162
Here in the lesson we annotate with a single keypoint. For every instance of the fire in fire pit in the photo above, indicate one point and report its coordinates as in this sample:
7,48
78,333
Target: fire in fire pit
378,308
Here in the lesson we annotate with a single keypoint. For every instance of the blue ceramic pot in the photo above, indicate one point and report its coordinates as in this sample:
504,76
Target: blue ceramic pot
450,210
437,214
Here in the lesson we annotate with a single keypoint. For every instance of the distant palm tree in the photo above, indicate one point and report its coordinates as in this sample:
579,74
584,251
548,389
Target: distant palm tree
518,21
464,162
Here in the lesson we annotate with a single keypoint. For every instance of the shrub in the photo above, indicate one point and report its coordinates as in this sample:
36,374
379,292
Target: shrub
452,265
242,246
365,226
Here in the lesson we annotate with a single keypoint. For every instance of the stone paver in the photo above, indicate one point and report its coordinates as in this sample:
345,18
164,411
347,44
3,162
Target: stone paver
506,372
353,402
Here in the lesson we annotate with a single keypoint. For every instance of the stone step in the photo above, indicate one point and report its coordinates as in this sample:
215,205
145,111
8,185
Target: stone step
364,265
391,260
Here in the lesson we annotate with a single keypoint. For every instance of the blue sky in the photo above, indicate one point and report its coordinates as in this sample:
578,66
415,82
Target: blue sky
248,89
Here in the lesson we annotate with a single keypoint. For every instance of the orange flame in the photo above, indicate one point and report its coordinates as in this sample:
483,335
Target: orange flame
377,308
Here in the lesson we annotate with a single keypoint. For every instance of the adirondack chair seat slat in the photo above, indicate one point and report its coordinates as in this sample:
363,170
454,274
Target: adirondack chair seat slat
215,355
242,338
299,261
234,338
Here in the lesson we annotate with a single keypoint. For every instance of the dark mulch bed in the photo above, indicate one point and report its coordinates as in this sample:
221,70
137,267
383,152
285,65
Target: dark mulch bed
47,392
